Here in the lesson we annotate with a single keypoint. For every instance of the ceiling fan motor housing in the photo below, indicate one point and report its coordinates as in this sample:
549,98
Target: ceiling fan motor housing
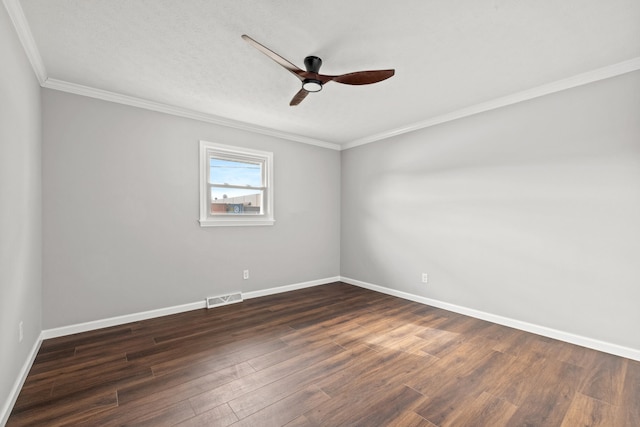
313,64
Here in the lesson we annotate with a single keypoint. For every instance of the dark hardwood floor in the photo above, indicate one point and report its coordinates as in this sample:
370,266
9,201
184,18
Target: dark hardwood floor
333,355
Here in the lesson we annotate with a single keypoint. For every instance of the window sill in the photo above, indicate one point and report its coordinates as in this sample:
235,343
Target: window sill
235,222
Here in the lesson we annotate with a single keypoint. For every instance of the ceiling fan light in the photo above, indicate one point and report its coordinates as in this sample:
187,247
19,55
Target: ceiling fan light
312,85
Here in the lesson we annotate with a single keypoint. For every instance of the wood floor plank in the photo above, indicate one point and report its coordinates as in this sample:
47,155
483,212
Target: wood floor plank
201,344
54,355
64,411
606,379
220,416
166,417
219,330
373,410
548,400
39,387
516,344
375,373
325,313
393,403
353,336
324,356
466,358
229,391
363,384
123,345
577,355
628,407
106,377
71,362
286,410
181,385
465,325
407,343
218,358
77,365
147,399
286,352
32,395
448,400
587,411
315,333
338,382
72,341
437,340
410,419
300,421
266,395
484,411
518,379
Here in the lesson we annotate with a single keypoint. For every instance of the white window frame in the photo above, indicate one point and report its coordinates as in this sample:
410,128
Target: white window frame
229,152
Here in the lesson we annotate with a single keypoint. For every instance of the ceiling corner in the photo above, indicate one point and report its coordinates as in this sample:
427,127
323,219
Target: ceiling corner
19,20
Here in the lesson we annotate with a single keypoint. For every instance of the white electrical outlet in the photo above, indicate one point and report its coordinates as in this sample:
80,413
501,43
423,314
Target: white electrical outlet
245,274
425,278
20,333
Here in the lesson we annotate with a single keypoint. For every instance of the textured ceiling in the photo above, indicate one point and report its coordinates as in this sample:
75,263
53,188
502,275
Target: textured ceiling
449,55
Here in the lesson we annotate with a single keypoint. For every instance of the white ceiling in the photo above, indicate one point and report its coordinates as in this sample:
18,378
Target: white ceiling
452,57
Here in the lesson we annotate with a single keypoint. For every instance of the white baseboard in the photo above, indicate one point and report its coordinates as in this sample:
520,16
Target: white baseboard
135,317
618,350
287,288
120,320
17,386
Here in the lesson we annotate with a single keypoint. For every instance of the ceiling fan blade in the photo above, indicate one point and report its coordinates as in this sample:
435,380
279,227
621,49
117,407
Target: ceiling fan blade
275,57
298,97
363,77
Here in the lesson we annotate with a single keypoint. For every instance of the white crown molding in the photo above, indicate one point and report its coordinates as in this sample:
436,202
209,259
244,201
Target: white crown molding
618,350
26,38
105,95
557,86
24,33
547,89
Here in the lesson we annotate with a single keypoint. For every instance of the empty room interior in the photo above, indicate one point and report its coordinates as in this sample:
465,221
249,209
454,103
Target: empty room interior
416,213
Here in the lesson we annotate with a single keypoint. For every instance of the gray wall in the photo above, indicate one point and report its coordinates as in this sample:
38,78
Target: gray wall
120,210
531,211
20,208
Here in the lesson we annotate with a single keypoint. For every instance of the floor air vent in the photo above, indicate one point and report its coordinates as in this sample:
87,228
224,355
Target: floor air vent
224,300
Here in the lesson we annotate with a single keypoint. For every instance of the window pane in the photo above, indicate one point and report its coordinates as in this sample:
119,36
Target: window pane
235,201
235,172
236,186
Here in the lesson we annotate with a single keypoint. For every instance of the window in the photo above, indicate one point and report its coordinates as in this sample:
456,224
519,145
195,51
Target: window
236,186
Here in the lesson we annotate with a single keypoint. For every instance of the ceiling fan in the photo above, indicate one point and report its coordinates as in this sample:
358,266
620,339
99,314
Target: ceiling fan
312,80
